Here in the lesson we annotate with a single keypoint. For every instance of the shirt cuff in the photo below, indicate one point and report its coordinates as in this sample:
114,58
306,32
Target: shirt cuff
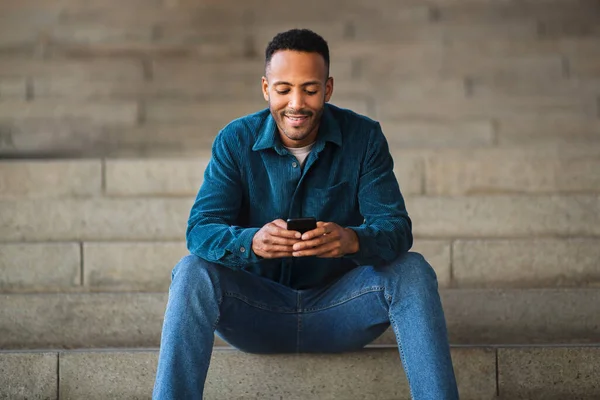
241,247
365,243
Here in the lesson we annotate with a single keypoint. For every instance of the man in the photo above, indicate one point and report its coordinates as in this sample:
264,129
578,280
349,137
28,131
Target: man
336,288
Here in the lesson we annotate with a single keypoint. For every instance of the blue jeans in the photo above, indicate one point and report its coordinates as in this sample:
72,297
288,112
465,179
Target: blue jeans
257,315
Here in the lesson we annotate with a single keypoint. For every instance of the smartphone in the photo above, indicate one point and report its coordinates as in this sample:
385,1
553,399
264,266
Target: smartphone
301,224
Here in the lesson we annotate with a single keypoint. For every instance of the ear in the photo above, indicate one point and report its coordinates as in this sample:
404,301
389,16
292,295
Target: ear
265,88
328,88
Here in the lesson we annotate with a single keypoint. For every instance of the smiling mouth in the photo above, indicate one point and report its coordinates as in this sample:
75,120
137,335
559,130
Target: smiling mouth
296,118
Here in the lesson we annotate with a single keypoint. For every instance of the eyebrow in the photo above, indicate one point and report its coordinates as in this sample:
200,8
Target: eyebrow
304,84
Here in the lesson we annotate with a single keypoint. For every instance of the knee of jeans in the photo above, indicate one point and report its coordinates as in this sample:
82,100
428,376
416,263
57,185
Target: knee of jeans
413,271
192,269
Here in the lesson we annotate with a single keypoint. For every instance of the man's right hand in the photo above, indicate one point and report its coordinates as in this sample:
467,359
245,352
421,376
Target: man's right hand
274,240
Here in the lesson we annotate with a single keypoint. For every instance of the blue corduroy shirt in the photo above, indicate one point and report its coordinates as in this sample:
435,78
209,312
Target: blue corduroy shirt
252,180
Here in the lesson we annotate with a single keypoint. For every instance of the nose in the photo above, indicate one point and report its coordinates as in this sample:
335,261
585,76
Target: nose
296,100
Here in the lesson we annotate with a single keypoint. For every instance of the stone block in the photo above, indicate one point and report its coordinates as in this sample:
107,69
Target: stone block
211,112
390,30
137,50
526,263
372,374
328,376
94,219
68,88
81,70
474,317
438,133
102,375
548,129
497,108
110,112
39,266
98,33
505,216
161,141
47,137
148,177
28,376
534,316
48,179
526,66
505,171
549,373
131,266
81,320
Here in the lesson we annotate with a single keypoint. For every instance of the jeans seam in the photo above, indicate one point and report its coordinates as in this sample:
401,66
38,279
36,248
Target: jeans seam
258,305
219,302
219,315
402,355
346,299
299,315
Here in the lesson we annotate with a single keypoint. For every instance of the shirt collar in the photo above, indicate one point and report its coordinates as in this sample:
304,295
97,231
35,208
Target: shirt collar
329,131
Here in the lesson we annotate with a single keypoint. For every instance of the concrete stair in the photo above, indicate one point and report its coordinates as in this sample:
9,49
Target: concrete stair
82,270
474,317
482,373
107,114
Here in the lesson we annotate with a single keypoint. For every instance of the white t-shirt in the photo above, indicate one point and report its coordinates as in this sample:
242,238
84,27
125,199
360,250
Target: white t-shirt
301,152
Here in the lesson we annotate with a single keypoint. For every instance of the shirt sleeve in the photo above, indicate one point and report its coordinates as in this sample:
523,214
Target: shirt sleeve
387,230
211,233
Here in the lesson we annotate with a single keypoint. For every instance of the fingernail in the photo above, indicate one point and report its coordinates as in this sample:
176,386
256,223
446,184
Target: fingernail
298,235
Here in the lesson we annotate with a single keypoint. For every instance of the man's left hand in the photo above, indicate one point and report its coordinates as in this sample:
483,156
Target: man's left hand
329,240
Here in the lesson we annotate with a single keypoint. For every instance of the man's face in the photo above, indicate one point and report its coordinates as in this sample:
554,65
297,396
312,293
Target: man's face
296,87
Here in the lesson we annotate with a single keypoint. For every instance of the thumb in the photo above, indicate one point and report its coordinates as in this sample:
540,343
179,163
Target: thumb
280,223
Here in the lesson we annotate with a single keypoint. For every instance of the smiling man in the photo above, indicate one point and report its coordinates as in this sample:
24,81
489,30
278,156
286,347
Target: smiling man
266,289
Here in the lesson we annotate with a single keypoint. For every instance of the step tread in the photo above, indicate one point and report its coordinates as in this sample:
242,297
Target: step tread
547,170
474,316
434,217
516,373
146,266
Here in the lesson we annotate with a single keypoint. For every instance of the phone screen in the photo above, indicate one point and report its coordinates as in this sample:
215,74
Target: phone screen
301,225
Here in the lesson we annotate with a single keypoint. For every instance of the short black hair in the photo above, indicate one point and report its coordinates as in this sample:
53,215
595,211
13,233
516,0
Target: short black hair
298,40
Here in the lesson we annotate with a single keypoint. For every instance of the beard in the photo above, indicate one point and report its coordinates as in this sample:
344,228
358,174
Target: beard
297,130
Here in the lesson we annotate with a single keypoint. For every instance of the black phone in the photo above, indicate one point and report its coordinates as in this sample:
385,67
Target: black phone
301,224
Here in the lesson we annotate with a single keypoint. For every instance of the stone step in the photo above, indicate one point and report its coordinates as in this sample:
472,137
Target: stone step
54,138
474,317
146,266
468,12
440,172
498,107
537,130
481,373
179,82
13,112
487,48
50,127
434,217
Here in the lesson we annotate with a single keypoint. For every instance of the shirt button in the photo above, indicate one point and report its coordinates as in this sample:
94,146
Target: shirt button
242,249
294,164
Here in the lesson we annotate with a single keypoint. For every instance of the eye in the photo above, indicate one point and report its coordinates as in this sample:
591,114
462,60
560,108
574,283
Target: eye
311,93
282,91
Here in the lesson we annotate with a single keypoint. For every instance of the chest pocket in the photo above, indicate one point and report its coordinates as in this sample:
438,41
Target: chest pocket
332,204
